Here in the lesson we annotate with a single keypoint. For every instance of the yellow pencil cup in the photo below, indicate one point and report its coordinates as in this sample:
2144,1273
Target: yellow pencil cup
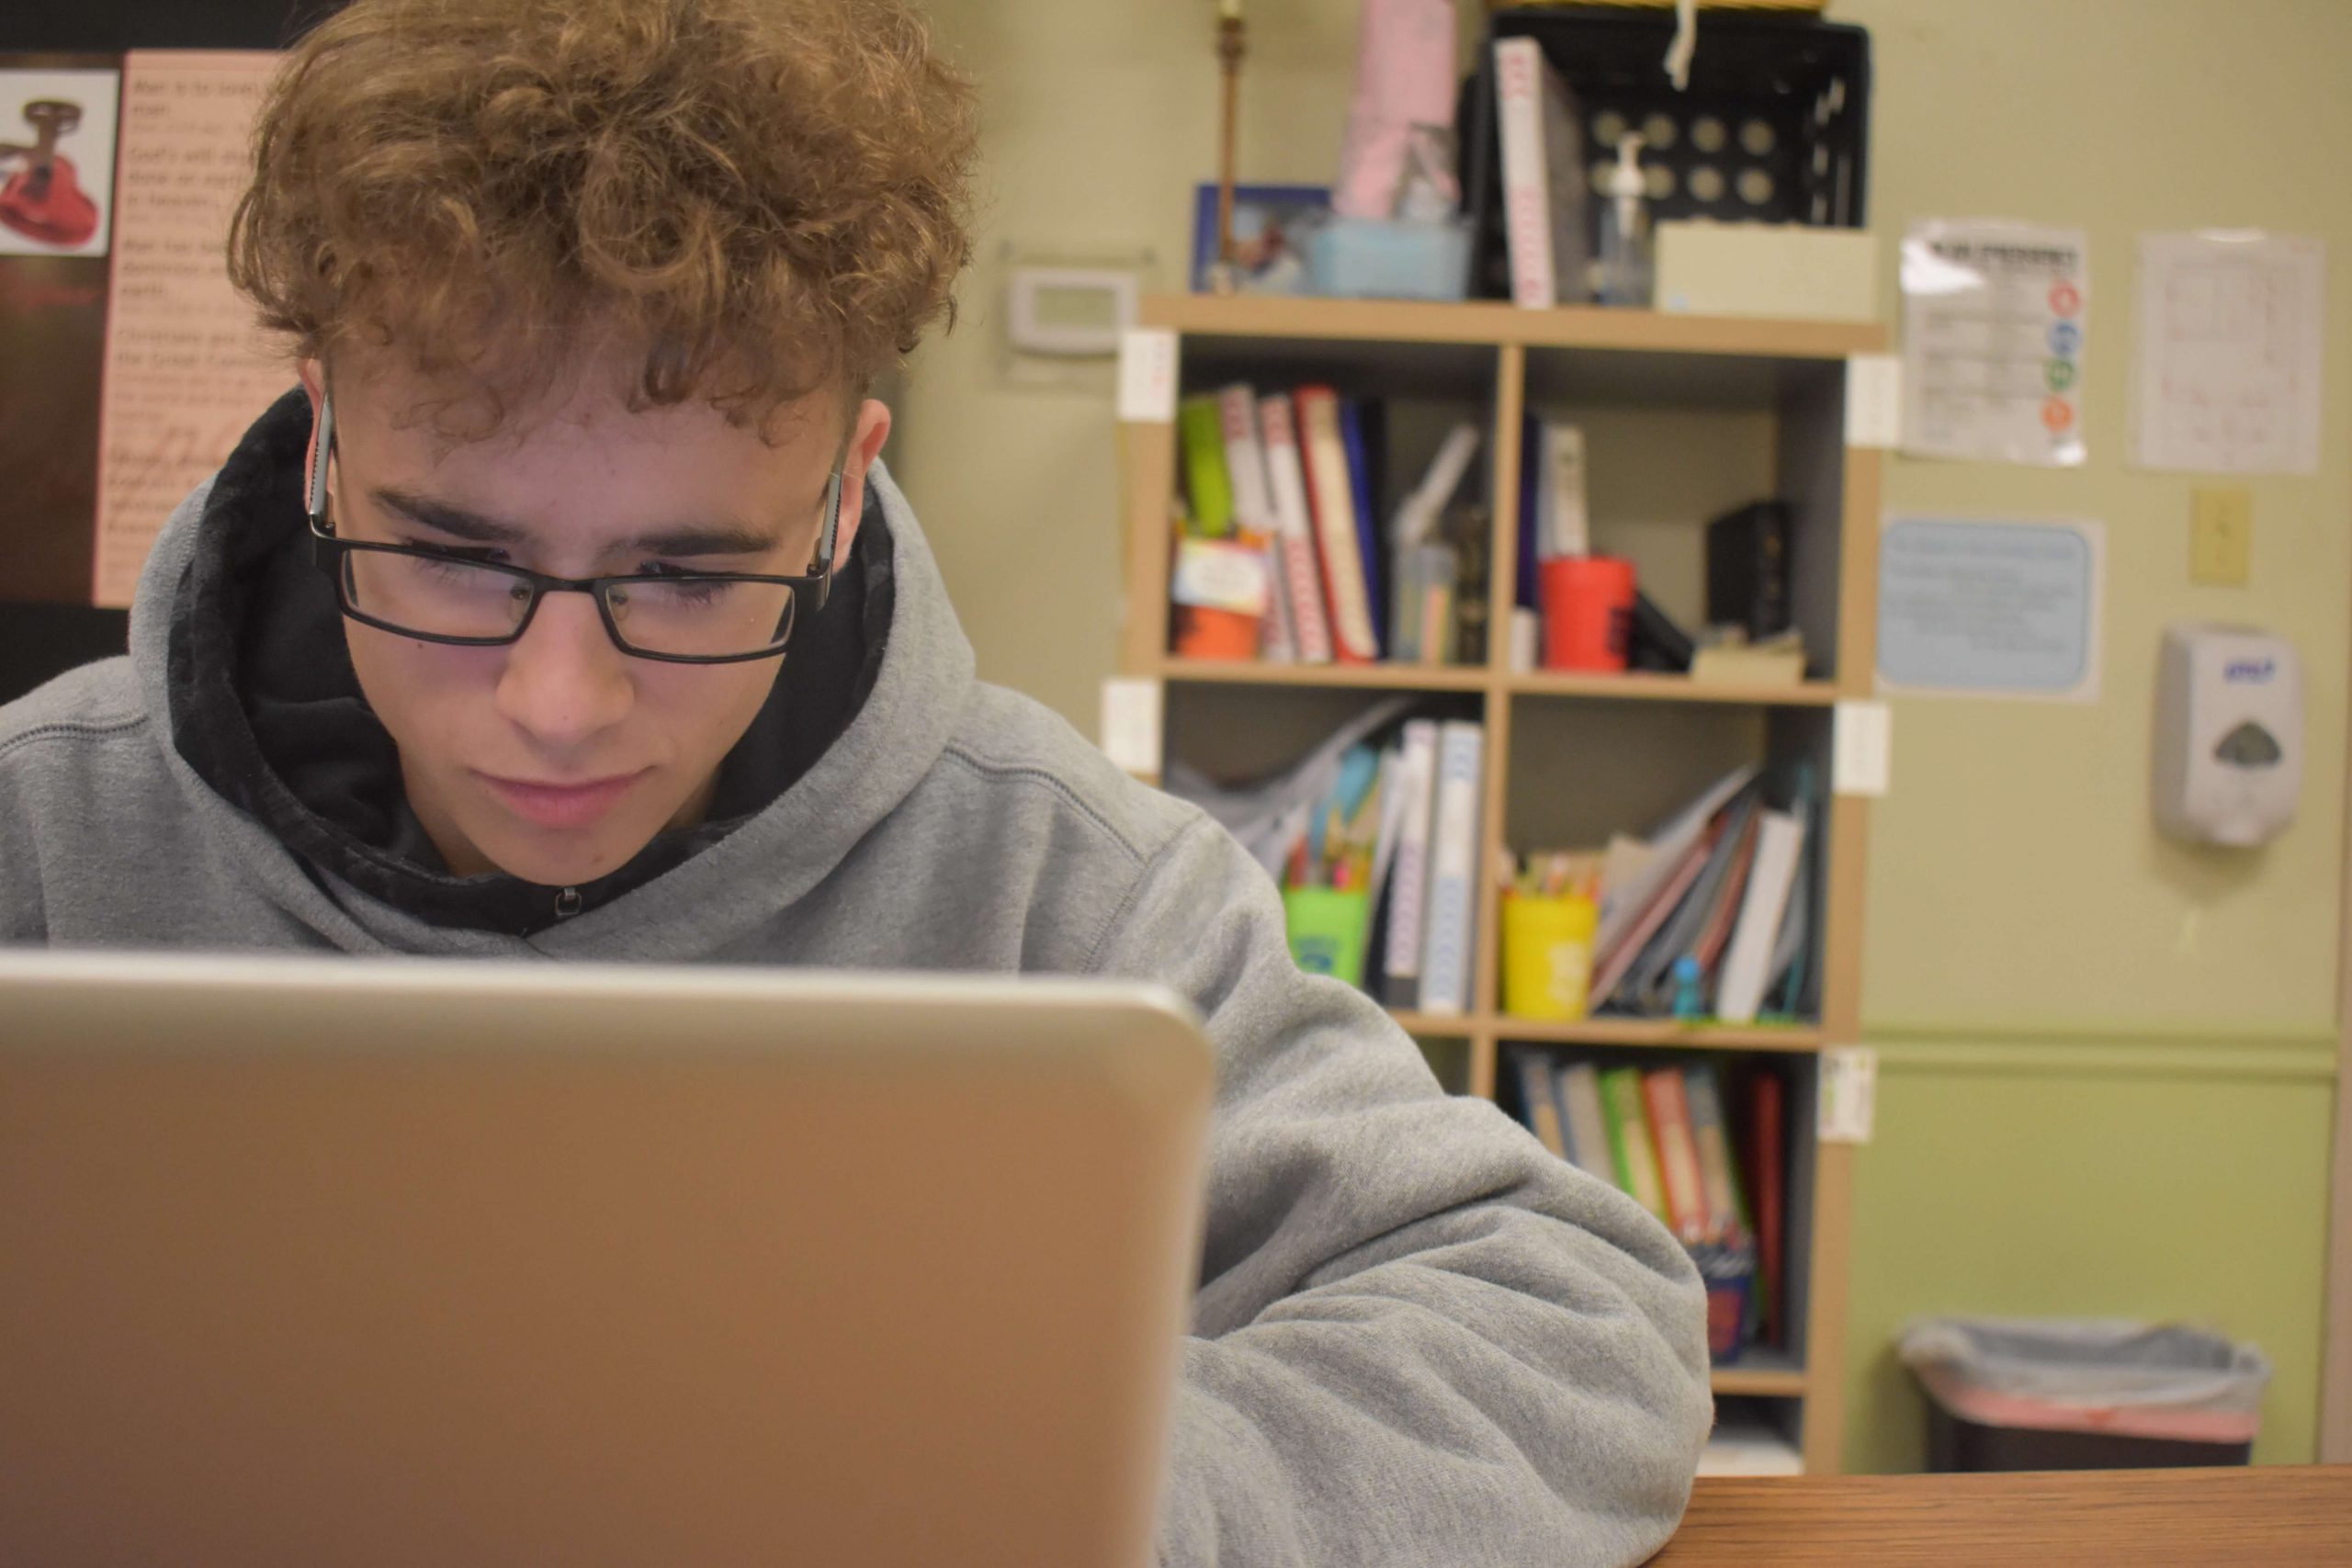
1547,955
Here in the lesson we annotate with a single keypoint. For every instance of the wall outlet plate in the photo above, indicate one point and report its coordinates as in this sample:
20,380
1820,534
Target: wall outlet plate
2221,536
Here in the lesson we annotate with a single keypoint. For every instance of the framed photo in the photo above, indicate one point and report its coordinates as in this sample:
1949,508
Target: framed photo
57,131
1269,227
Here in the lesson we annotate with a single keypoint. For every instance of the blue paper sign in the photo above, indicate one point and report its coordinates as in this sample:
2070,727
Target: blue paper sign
1999,609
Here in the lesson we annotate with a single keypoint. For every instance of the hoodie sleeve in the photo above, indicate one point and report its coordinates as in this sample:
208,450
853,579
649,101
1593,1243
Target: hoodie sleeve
1418,1336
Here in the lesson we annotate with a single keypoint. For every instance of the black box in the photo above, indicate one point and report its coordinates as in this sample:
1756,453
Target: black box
1747,569
1805,83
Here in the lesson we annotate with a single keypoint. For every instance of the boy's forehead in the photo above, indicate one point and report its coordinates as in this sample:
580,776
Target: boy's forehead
592,402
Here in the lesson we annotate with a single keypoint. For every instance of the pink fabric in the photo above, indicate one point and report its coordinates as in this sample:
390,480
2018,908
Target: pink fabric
1405,64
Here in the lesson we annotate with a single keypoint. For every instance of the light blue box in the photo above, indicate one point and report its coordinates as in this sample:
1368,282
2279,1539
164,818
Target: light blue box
1383,258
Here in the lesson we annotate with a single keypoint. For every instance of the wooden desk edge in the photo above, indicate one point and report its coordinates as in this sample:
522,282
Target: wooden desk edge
2298,1514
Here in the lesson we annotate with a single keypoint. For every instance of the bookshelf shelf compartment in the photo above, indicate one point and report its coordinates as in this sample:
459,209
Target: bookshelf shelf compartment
1491,323
1372,677
1439,1025
1665,1034
1639,688
1671,689
1760,1373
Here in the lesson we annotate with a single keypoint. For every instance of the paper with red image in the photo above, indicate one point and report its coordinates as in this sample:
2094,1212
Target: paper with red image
187,369
57,135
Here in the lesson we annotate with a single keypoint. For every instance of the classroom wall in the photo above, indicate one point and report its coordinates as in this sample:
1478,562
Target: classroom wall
2108,1061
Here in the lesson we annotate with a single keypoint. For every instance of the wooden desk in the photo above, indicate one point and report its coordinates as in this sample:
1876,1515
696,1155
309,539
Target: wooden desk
2065,1518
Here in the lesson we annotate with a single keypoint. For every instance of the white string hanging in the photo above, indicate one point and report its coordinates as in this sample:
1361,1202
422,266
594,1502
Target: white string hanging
1685,44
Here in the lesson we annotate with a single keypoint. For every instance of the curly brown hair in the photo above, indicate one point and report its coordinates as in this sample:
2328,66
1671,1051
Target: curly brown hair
752,200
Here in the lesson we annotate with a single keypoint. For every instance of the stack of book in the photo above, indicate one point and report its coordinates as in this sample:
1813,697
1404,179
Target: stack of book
1712,917
1713,1170
1282,557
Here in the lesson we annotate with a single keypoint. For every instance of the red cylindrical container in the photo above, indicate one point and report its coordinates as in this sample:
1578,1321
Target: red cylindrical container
1587,612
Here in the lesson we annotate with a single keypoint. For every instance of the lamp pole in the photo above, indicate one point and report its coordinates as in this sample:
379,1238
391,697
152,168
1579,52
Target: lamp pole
1230,47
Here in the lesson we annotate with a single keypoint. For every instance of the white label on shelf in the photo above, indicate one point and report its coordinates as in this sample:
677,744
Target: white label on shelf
1862,761
1873,399
1131,724
1849,1094
1147,375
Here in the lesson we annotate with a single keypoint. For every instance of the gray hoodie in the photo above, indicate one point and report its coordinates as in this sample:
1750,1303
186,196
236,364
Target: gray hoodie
1419,1339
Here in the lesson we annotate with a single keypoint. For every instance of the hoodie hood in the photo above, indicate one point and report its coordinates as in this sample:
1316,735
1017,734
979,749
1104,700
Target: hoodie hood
240,658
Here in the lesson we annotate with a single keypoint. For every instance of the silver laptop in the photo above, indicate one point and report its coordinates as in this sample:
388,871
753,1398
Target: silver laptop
394,1261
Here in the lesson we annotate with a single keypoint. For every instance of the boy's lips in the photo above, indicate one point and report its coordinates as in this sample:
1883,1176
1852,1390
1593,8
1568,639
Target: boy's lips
562,805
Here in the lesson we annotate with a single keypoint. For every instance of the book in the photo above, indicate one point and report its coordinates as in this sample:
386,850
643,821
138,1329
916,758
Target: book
1583,1130
1610,964
1780,843
1362,435
1564,527
1658,643
1205,482
1727,1214
1649,988
1330,496
1453,870
1534,1074
1623,901
1792,966
1543,177
1301,580
1408,876
1716,935
1678,1154
1764,1169
1632,1152
1525,588
1253,510
1384,846
1747,569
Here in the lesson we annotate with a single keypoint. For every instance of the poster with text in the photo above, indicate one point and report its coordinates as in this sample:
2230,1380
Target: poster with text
187,367
57,131
1991,607
1993,318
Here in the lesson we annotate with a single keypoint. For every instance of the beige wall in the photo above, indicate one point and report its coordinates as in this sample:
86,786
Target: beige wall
2024,920
1098,119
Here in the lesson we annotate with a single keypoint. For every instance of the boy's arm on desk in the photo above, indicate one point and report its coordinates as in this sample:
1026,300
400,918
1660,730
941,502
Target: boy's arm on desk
2082,1519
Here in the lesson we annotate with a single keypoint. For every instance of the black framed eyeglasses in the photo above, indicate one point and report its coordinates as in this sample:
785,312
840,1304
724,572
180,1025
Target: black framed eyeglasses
446,596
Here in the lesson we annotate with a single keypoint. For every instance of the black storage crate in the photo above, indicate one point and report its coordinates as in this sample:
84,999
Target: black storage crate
1774,127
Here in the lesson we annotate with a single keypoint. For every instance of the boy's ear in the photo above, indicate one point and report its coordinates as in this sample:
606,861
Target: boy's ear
866,436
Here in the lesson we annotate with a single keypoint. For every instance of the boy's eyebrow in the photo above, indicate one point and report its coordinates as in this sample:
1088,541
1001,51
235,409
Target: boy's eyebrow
463,523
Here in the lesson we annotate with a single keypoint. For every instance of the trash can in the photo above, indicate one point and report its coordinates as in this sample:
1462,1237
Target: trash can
2025,1394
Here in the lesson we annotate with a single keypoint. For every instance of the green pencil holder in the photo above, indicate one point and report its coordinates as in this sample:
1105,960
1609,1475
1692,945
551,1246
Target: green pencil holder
1327,928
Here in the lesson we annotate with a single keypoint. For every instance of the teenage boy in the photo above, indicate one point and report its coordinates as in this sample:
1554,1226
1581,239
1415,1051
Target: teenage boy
566,612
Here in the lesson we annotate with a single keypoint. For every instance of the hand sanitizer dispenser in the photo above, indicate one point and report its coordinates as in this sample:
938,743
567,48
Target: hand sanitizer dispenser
2228,735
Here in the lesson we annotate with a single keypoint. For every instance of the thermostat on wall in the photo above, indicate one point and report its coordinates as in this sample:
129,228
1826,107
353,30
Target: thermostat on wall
1069,311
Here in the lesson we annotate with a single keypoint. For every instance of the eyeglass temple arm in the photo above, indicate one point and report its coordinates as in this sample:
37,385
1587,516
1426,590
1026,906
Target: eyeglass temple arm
322,442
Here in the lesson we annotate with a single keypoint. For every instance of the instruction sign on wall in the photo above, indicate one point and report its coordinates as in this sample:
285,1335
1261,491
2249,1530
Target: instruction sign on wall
1990,608
1994,332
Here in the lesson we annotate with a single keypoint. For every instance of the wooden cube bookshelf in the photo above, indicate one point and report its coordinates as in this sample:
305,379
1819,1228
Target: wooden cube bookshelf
1785,380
